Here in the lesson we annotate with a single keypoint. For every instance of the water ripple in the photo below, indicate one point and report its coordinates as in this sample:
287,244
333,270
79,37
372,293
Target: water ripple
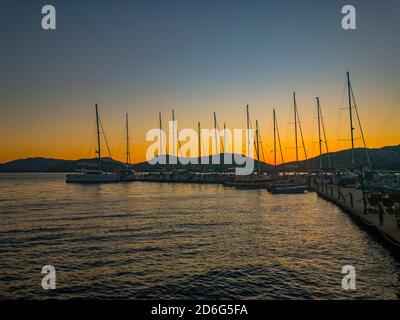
148,240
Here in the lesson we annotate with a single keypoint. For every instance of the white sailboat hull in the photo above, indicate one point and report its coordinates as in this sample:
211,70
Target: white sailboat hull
92,178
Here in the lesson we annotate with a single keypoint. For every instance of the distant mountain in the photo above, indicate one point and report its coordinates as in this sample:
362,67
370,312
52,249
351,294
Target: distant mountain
206,163
34,165
57,165
386,158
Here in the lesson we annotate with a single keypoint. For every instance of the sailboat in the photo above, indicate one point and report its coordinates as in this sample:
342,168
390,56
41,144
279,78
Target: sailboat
293,184
275,177
85,175
127,174
254,180
352,177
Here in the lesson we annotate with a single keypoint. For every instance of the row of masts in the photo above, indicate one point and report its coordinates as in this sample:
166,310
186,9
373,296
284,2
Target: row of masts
257,138
322,139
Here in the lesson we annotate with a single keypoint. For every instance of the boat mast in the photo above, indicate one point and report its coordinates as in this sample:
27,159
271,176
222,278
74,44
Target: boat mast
295,124
279,141
160,126
215,131
319,134
248,128
351,119
325,141
324,135
178,143
128,153
273,113
302,138
199,141
224,144
277,137
173,135
98,136
361,129
258,147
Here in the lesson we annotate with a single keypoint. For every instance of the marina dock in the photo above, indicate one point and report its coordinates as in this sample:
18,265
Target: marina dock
355,202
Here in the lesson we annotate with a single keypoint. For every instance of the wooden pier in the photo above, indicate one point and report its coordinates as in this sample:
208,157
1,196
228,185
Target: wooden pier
355,201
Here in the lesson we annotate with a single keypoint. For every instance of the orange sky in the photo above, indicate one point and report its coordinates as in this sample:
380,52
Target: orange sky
71,135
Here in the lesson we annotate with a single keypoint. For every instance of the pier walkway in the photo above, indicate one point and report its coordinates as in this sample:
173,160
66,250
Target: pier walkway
352,200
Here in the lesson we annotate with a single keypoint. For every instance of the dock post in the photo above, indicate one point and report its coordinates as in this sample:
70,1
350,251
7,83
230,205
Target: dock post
351,199
381,211
322,183
363,194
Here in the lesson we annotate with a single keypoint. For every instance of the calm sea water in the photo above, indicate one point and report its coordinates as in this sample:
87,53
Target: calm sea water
150,240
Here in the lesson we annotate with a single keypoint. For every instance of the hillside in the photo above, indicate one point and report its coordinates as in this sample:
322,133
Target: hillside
56,165
386,158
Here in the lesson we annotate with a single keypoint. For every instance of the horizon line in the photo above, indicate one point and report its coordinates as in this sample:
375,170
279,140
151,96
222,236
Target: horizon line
209,155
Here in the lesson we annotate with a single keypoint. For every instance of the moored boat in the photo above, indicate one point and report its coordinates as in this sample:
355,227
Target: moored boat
248,182
288,189
89,175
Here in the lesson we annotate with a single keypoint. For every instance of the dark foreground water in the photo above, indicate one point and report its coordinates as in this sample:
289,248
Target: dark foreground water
149,240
